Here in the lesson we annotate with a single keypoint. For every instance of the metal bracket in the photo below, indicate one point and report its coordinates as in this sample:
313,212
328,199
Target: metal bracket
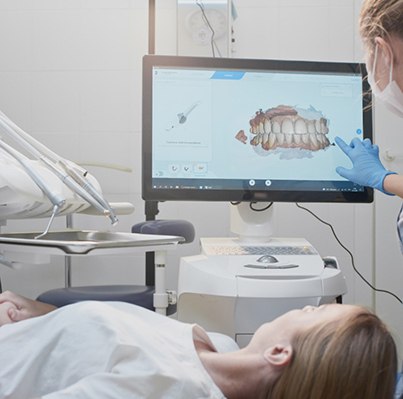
172,297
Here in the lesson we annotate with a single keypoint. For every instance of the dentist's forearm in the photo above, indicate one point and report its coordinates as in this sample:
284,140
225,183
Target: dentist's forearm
393,184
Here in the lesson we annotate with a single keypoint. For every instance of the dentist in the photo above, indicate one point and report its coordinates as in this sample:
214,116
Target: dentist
381,29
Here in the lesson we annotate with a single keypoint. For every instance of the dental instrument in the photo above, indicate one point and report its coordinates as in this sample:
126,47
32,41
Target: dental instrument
70,174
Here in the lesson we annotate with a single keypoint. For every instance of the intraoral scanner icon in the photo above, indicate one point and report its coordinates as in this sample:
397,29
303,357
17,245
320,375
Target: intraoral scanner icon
183,116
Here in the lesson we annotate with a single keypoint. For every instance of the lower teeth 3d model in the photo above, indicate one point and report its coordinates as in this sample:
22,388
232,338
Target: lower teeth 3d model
288,127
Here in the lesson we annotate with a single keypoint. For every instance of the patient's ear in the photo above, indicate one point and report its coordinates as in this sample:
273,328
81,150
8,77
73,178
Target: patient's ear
278,355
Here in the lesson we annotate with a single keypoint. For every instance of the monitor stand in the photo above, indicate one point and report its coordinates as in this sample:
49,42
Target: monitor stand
252,228
255,233
252,222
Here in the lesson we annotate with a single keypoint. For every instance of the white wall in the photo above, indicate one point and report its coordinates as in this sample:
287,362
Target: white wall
70,74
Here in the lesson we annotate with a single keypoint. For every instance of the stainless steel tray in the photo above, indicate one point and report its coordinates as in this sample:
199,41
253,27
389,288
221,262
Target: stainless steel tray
81,242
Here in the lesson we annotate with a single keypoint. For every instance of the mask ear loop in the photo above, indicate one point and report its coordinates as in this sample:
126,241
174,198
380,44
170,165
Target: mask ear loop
375,62
391,62
391,70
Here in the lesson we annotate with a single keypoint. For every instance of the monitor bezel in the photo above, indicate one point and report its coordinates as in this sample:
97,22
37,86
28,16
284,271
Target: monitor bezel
149,193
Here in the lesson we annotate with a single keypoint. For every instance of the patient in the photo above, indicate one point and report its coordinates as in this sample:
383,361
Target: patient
117,350
7,309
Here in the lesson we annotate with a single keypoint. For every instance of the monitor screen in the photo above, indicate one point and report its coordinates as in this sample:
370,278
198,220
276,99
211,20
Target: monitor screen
224,129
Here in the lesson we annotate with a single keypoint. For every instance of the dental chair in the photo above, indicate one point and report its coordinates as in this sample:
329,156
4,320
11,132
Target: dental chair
141,295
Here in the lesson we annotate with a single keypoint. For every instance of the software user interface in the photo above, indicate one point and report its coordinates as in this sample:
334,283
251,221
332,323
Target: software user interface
230,129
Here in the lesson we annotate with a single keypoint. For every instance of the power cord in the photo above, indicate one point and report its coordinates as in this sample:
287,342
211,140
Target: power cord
259,209
252,207
350,253
208,24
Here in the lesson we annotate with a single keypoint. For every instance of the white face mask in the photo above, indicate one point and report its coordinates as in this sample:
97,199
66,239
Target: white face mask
391,95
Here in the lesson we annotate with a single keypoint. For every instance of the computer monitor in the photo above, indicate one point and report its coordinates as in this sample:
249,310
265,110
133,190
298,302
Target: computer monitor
251,130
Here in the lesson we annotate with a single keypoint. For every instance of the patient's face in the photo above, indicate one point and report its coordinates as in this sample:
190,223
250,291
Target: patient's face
4,308
282,329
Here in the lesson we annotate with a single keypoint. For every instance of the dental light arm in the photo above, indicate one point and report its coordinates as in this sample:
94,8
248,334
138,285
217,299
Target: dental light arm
70,174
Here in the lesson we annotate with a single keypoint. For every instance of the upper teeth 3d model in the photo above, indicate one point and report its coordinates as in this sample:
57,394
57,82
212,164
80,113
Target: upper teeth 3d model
288,127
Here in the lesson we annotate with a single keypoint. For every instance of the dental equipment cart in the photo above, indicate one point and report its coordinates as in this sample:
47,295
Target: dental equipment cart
18,248
233,287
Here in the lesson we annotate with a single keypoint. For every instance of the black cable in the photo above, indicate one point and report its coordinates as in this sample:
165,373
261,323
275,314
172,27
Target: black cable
207,22
251,206
259,210
350,253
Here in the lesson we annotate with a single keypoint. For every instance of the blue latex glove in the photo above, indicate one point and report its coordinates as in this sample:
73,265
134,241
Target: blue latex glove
367,169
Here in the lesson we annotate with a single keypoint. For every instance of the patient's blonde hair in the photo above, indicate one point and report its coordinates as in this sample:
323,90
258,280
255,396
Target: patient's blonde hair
352,359
380,18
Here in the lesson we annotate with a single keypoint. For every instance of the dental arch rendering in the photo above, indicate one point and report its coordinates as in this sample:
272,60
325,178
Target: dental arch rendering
287,127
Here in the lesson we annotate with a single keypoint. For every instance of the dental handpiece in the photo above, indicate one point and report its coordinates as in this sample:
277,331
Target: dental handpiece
87,186
70,183
30,144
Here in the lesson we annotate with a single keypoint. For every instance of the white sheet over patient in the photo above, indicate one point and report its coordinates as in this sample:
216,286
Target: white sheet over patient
98,350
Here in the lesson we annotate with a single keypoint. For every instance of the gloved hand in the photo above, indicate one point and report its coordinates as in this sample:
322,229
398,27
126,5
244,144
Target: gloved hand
367,169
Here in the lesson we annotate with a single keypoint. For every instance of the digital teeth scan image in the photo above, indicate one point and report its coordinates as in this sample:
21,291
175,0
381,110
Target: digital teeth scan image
288,127
264,128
